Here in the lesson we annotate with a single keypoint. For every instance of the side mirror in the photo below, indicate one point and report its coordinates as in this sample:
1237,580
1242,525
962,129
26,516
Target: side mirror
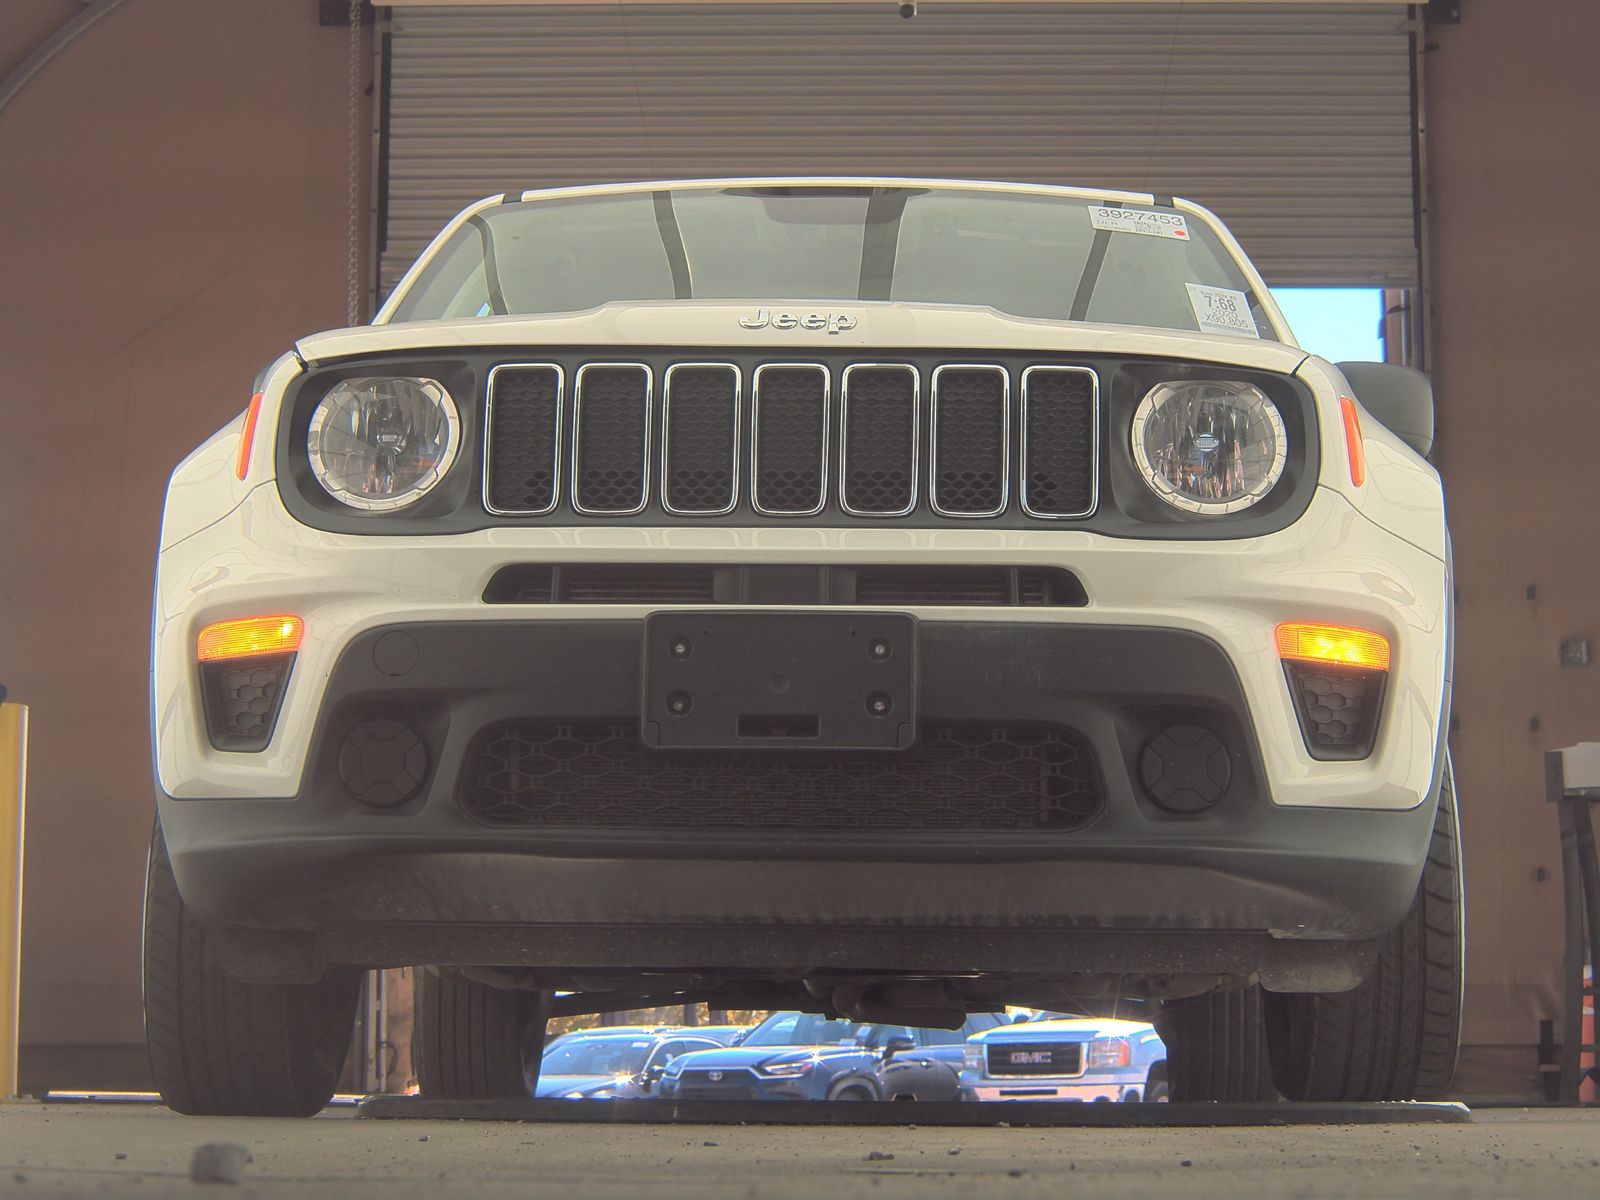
898,1045
1400,398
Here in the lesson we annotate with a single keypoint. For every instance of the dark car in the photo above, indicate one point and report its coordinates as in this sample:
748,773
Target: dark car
612,1066
804,1056
908,1063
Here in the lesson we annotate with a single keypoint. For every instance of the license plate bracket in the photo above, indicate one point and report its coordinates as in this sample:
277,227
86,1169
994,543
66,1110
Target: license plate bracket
779,680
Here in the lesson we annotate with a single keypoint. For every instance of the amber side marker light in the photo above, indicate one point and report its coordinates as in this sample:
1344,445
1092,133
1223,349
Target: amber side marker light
250,637
1354,446
1333,644
247,436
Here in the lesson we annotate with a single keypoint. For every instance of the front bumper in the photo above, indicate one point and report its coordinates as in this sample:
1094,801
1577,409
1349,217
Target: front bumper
1298,856
1102,1088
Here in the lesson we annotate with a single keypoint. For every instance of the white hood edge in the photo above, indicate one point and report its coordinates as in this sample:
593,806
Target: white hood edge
879,326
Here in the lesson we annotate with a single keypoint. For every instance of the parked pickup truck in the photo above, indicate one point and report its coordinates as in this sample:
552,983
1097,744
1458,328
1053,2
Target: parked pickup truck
1080,1059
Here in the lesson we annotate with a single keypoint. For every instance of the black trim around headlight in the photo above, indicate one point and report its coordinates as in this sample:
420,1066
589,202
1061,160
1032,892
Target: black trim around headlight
1127,507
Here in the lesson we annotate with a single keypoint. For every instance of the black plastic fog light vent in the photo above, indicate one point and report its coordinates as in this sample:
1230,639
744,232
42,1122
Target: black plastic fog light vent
1186,769
1338,709
242,699
383,763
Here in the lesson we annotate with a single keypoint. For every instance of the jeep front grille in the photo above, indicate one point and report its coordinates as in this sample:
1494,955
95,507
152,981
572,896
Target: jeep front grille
869,440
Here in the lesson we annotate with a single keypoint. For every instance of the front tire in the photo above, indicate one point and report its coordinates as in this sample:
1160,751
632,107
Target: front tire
1217,1048
470,1041
1396,1037
220,1047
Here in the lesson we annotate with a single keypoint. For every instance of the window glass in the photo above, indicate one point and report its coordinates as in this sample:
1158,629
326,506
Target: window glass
597,1056
802,1029
1024,254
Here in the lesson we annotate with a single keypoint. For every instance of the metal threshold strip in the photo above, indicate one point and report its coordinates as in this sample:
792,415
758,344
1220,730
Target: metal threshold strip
924,1113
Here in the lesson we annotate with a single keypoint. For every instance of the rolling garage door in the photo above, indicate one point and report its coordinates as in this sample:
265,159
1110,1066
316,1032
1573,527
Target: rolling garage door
1293,121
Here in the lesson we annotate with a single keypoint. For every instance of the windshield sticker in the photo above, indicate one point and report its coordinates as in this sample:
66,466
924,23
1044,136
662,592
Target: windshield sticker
1138,220
1222,310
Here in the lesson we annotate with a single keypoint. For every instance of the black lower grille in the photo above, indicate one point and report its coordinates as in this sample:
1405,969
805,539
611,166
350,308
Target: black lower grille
699,1088
787,584
599,774
976,586
1035,1058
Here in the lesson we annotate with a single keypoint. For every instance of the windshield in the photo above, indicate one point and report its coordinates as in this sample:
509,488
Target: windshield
597,1056
802,1029
1030,255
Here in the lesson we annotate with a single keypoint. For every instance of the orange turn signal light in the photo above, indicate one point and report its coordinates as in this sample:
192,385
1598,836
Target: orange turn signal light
1354,445
251,637
1336,644
247,436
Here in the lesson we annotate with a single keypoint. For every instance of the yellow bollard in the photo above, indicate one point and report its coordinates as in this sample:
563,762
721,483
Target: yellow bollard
13,795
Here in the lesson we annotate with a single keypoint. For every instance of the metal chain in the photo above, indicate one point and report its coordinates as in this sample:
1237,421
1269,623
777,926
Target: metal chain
353,215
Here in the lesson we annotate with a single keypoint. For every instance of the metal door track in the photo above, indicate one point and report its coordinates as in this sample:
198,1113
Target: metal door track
1012,1113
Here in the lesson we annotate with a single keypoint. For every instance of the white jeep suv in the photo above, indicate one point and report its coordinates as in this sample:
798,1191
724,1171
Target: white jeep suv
892,598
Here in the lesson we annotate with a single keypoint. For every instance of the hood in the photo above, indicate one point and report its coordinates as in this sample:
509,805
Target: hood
851,325
742,1057
1086,1030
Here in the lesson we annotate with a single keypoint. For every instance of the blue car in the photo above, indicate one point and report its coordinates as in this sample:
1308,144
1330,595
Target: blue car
1071,1059
606,1065
804,1056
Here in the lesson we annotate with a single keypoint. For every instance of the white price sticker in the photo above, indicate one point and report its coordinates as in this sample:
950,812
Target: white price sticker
1222,310
1139,220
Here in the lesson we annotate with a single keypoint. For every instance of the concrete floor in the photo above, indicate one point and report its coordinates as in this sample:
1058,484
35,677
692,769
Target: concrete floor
145,1151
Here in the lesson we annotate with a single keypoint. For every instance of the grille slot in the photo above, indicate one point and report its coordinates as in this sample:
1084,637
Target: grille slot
787,584
522,469
976,586
790,443
971,441
597,774
1035,1059
700,439
635,583
1060,441
611,439
878,454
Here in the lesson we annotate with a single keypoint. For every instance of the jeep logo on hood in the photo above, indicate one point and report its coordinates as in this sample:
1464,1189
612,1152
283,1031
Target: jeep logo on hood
832,322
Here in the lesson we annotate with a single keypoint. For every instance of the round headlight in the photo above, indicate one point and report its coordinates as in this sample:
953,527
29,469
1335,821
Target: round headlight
380,443
1209,447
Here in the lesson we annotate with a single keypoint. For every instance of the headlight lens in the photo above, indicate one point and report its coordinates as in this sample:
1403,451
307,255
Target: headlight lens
972,1058
383,443
1209,446
1110,1052
786,1070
